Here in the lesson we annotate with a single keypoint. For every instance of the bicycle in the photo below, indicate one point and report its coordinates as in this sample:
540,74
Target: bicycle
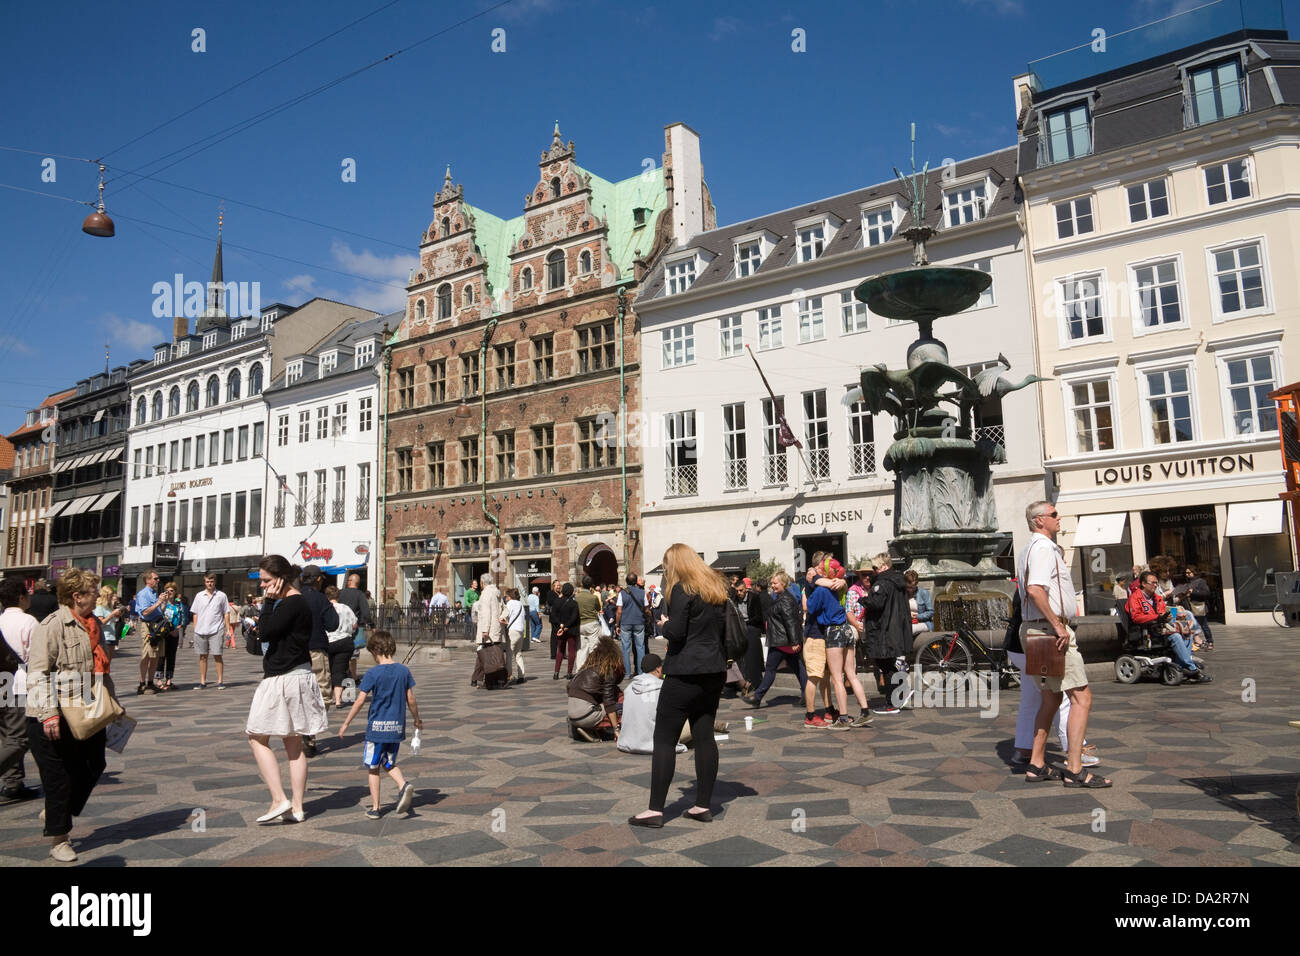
952,654
1286,615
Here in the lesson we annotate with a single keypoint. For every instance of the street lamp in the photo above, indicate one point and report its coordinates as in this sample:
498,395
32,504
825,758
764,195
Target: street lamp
98,223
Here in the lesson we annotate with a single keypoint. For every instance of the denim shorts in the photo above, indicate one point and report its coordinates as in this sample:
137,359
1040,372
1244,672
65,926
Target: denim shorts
839,635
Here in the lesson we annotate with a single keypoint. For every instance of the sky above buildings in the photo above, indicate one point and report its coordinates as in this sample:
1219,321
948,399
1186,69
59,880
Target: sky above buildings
346,177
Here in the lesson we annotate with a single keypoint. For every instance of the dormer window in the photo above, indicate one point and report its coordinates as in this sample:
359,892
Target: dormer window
1213,91
812,240
237,331
328,362
878,224
1066,133
749,256
365,352
209,340
293,372
268,320
966,204
640,216
183,347
680,275
159,356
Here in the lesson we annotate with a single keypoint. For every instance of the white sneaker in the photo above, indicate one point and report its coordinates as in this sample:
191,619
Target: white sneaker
404,798
64,853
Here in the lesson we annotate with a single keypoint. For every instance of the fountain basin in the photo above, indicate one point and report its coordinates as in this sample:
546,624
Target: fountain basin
923,293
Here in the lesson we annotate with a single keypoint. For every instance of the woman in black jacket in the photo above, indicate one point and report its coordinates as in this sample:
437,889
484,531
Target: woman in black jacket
564,619
784,637
593,693
888,628
694,669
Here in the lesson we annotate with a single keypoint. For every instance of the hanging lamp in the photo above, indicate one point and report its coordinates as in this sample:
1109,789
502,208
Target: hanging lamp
98,223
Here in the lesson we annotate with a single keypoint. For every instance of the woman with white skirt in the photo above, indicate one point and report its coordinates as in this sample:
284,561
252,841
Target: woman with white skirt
287,703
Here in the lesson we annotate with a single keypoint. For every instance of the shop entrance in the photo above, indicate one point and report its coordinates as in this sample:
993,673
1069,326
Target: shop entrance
463,575
1190,538
806,545
601,564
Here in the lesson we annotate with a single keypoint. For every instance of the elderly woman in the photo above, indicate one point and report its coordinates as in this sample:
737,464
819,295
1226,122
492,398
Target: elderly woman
288,702
66,645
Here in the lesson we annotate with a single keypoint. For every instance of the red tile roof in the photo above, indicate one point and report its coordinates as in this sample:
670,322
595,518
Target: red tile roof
49,402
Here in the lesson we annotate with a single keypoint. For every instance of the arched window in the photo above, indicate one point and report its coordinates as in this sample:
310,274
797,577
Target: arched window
555,270
584,262
232,385
444,301
419,310
174,401
446,227
192,397
255,379
467,296
555,188
140,411
157,406
526,278
214,391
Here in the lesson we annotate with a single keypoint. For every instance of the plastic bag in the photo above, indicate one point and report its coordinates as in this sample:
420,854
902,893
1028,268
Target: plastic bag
415,743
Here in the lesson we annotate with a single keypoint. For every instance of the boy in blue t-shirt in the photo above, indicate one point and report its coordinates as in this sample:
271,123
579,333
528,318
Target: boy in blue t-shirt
390,687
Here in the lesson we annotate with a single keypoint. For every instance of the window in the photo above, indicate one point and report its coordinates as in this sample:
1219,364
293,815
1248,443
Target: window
282,431
1074,217
812,324
365,414
196,520
255,379
228,446
682,471
965,205
363,491
157,406
986,297
543,358
1169,405
774,443
135,528
268,320
171,521
243,442
444,301
878,226
853,314
812,240
435,454
555,187
555,270
174,401
1227,181
300,504
182,520
419,310
584,262
679,345
769,328
185,453
505,456
681,275
241,513
505,365
1156,289
259,436
135,467
526,279
339,423
405,388
1215,92
224,527
469,374
1149,200
304,426
862,441
323,422
237,331
749,256
255,512
1081,308
544,450
140,406
467,296
1249,379
469,460
437,381
318,502
732,341
212,447
735,456
192,397
1067,133
1239,278
817,432
144,525
596,347
595,449
214,391
365,351
339,507
1091,405
232,385
199,457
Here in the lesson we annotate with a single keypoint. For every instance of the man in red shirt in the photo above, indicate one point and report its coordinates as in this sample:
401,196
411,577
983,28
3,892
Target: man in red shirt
1145,606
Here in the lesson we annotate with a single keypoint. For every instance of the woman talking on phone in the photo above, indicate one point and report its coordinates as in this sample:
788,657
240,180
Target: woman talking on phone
288,703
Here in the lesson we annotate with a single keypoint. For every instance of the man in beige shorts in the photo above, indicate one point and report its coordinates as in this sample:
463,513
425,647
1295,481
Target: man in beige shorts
1048,601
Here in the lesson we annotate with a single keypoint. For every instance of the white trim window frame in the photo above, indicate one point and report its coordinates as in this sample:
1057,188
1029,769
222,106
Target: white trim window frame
771,328
812,236
1154,203
1250,283
1074,290
749,256
1156,290
1093,401
967,202
735,451
1252,387
731,336
854,315
879,223
679,345
1177,396
679,275
1230,181
986,299
1074,217
812,319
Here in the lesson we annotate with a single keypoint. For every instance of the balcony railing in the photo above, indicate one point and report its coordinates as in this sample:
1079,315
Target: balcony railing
862,459
994,433
735,474
299,515
682,480
318,512
819,461
774,469
338,510
363,507
1212,105
277,518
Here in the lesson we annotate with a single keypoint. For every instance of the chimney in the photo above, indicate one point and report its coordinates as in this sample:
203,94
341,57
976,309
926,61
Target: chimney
180,328
684,182
1023,92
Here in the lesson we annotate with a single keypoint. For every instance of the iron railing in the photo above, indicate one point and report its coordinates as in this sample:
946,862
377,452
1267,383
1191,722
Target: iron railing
363,507
735,474
862,459
338,510
774,469
682,480
819,461
299,515
277,518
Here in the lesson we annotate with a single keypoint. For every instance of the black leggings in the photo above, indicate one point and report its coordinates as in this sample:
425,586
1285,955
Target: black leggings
168,664
339,657
69,768
694,698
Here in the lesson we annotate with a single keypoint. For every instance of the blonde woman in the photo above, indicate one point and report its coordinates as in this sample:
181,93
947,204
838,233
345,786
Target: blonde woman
109,611
694,669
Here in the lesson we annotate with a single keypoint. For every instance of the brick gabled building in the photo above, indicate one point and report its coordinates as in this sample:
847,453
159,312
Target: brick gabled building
528,478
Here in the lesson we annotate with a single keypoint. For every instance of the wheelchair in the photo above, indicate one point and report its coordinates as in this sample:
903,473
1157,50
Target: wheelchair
1148,652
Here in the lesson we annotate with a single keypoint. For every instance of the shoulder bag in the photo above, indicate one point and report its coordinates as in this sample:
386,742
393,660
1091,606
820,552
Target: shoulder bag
87,707
1042,659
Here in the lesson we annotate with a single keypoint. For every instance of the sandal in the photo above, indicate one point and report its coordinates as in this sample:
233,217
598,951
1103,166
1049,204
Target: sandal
1040,774
1086,780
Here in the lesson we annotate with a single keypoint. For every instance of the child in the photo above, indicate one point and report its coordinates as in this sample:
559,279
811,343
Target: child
391,685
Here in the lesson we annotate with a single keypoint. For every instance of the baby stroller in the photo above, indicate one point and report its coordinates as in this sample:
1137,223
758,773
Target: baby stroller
1147,652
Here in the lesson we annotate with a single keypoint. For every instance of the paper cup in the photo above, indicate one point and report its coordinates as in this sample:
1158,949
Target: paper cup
749,723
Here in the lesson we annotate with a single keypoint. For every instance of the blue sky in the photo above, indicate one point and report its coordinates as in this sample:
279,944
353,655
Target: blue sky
777,128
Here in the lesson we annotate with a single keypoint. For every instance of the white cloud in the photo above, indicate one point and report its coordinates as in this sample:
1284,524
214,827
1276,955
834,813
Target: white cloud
386,294
11,344
724,26
1001,7
131,333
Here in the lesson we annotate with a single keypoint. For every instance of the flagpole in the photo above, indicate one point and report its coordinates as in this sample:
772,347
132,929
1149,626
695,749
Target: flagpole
780,415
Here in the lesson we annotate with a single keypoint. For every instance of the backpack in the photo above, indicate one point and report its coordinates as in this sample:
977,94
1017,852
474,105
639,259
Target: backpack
735,635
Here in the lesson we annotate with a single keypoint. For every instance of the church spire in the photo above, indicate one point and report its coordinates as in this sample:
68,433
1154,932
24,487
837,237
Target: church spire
216,286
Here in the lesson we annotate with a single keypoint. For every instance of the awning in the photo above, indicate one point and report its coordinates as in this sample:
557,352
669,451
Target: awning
341,568
1254,517
113,454
79,505
62,466
1100,529
104,501
99,415
734,561
54,509
657,569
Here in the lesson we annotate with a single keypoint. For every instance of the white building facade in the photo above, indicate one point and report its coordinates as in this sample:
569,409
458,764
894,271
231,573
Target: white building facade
716,474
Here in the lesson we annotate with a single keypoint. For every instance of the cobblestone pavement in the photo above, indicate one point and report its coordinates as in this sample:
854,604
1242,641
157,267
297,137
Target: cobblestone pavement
1202,778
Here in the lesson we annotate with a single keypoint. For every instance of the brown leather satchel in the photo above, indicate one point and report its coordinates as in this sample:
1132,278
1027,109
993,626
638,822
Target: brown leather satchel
1042,659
